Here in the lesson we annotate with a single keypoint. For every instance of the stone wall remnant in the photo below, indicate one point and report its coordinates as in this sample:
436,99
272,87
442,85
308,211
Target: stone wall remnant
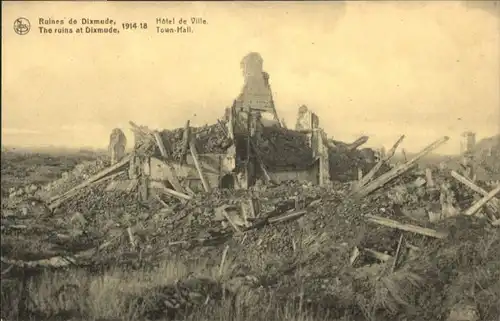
256,92
117,144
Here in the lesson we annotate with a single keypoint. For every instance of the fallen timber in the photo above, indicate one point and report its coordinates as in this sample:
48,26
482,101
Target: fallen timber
493,203
368,177
405,227
398,170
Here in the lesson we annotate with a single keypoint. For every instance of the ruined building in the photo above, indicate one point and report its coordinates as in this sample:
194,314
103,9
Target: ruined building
240,149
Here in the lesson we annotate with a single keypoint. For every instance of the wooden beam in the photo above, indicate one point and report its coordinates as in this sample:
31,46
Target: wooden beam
223,128
368,177
398,170
159,143
131,238
95,177
429,179
158,198
358,142
261,163
143,189
244,213
378,255
165,190
171,175
262,166
230,124
254,207
406,227
196,160
185,142
477,206
231,222
354,255
398,253
71,193
493,203
139,129
360,174
287,216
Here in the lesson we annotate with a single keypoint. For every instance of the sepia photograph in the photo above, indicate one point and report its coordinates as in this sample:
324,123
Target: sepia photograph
250,160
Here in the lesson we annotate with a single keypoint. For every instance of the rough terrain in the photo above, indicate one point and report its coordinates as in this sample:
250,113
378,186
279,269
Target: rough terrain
311,252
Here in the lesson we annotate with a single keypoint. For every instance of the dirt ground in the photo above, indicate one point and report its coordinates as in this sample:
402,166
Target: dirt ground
107,256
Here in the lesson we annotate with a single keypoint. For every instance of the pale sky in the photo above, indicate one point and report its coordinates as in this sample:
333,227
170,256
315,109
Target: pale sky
382,69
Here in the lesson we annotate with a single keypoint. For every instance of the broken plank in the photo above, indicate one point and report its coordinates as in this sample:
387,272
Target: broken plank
493,203
172,177
378,255
368,177
131,238
160,144
223,127
244,213
354,255
477,206
95,177
262,166
136,127
68,195
358,142
122,185
398,170
233,224
186,137
141,130
162,188
223,260
158,198
196,160
254,207
404,155
406,227
429,179
261,163
287,216
360,175
398,253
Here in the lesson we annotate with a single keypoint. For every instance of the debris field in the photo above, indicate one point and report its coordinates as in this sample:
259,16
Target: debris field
401,243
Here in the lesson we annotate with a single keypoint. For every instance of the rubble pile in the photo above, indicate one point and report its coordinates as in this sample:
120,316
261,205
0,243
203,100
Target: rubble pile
487,153
72,178
96,199
209,139
402,242
282,148
68,179
483,156
373,241
344,165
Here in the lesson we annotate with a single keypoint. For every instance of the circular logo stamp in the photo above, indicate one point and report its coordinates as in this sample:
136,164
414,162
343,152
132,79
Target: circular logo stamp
22,26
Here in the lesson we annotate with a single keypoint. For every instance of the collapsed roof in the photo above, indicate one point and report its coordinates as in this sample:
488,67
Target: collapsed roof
210,139
279,148
283,148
